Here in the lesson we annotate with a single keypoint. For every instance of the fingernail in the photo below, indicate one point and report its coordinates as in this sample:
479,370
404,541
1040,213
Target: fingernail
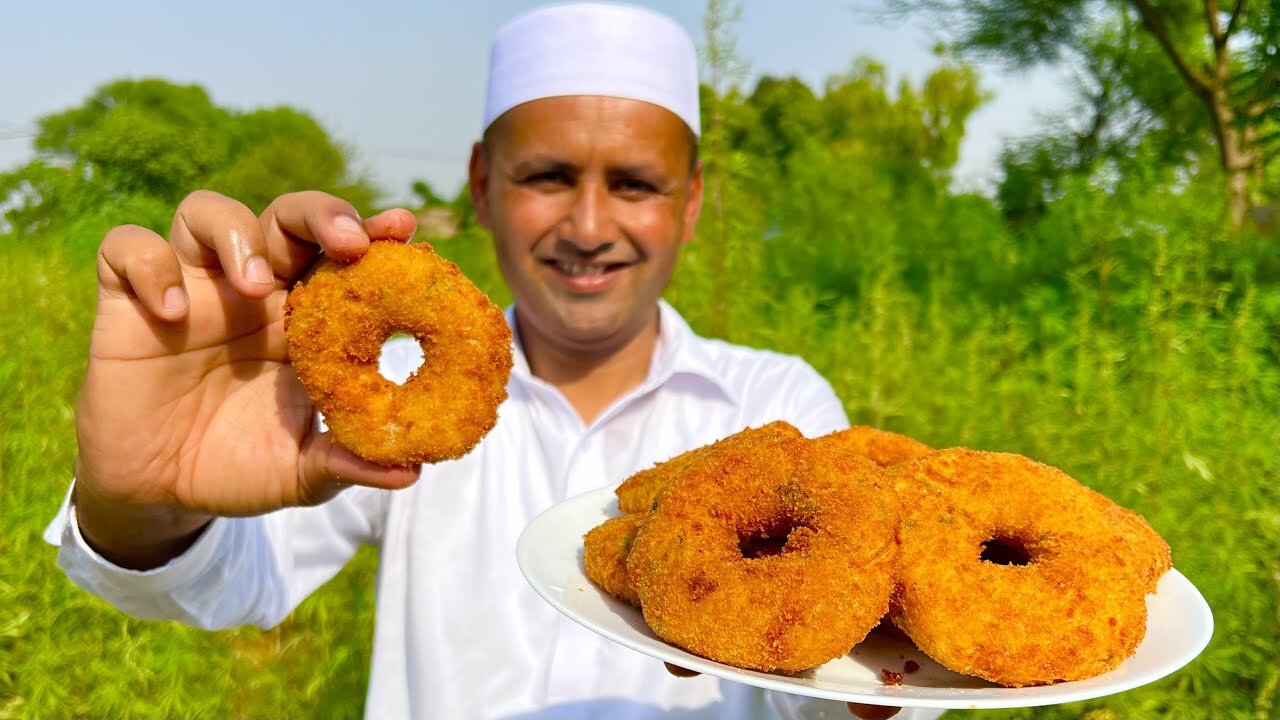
348,225
175,299
257,271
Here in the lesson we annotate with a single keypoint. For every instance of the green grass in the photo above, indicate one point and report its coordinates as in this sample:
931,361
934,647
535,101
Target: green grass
1162,395
1176,435
1170,406
64,653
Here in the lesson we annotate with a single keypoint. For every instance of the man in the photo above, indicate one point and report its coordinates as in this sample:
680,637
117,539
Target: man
206,491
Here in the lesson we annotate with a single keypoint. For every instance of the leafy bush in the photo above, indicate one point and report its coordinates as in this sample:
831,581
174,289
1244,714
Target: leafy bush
1122,334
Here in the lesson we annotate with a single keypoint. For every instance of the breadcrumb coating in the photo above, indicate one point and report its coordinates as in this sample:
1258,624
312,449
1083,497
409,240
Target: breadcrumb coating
880,446
605,550
339,315
639,491
1014,572
768,552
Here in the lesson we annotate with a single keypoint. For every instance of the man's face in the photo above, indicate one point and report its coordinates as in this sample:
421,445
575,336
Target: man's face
589,199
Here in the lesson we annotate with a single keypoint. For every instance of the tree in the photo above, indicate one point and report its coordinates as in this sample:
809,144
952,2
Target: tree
825,187
147,143
919,129
785,114
1224,58
425,195
723,69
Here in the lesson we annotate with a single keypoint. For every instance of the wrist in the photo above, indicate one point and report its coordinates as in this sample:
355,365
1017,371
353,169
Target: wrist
134,536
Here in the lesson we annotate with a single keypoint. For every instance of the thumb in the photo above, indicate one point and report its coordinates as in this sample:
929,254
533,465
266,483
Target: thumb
679,671
872,712
325,468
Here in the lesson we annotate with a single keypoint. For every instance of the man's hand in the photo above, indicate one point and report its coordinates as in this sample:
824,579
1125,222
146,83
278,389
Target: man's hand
189,407
859,710
872,712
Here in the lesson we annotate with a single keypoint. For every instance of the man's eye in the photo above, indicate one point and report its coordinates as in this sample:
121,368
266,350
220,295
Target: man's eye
550,177
635,187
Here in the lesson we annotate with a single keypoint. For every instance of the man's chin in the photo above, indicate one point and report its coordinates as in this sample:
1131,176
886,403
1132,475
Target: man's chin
591,334
602,323
596,329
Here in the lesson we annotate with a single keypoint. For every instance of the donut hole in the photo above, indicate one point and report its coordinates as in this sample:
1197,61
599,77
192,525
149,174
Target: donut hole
761,546
1006,550
785,537
400,358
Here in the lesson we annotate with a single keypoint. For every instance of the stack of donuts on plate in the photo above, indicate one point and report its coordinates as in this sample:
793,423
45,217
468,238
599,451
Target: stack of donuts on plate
774,552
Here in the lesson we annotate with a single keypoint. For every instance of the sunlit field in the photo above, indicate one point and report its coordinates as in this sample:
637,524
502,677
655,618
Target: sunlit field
1103,318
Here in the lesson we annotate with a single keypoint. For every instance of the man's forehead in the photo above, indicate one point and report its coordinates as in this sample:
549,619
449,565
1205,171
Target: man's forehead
555,124
595,112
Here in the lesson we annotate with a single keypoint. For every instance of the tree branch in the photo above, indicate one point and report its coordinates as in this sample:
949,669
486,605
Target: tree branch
1257,109
1236,13
1215,25
1154,24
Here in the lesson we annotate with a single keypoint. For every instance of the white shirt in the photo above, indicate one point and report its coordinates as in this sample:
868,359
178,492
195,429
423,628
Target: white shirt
459,633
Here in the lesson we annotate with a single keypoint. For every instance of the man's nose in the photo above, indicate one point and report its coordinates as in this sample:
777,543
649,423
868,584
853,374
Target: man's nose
589,223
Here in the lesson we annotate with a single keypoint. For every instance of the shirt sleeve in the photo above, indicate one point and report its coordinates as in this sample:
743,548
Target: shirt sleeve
241,571
809,403
797,707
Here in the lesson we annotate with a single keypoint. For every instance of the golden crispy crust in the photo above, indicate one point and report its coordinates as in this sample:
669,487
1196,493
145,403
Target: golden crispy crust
606,547
1073,609
791,610
881,447
336,320
638,492
1148,554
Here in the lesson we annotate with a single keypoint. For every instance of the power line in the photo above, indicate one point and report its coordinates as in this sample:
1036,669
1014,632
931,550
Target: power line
14,131
415,154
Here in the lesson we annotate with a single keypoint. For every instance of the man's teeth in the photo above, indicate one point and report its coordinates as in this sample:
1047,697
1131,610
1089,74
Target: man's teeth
576,269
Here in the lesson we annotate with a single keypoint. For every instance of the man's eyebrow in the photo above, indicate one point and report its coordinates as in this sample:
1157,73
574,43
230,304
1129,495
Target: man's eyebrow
542,163
642,170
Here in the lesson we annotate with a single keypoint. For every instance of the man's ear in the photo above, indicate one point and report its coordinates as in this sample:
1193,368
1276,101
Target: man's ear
693,206
478,183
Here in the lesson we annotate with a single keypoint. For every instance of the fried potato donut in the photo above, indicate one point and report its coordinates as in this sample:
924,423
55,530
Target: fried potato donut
606,547
1150,552
880,446
1014,572
338,316
638,492
823,523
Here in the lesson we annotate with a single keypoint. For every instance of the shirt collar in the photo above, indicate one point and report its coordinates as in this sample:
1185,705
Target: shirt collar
679,351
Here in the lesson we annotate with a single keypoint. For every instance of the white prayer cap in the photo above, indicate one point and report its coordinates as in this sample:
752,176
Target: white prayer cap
594,49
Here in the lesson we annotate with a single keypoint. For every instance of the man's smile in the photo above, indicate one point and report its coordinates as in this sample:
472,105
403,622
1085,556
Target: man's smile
585,276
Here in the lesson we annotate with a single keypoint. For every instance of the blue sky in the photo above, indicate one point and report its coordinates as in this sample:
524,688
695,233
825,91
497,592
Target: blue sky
402,83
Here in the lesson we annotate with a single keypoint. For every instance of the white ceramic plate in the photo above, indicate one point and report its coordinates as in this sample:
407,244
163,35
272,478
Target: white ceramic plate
1179,626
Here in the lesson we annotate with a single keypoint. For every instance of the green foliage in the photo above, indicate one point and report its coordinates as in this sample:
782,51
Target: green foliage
135,148
426,195
64,653
1197,82
148,137
1124,339
129,154
1118,332
282,150
1111,327
472,250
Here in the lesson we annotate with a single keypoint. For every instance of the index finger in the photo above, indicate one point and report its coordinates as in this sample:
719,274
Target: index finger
299,224
216,232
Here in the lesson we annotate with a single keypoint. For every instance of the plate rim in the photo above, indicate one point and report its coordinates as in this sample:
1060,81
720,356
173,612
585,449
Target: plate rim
667,652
